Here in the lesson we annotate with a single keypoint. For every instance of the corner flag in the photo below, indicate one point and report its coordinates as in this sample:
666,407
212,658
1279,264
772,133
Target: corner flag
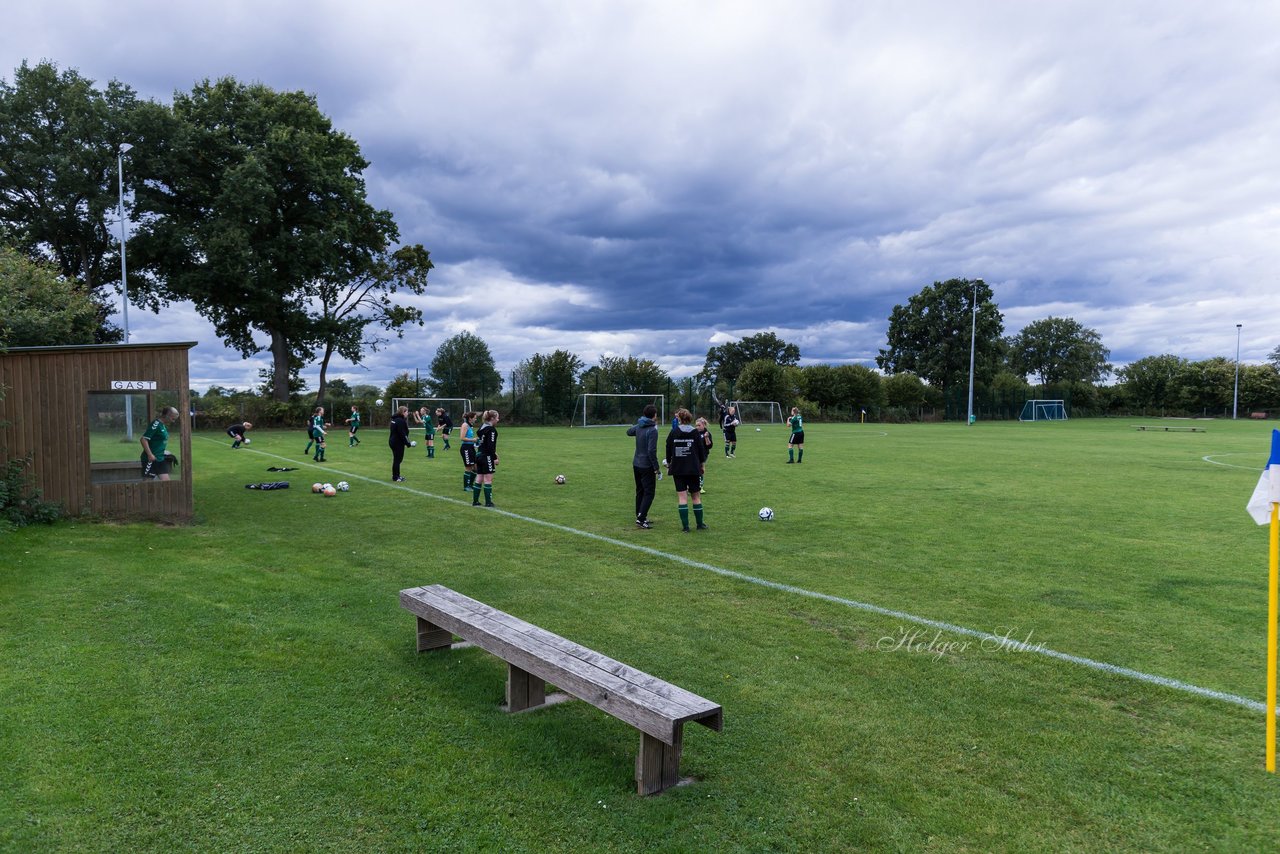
1264,507
1268,489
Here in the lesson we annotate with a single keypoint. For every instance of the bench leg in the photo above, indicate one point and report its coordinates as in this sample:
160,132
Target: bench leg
658,764
524,690
431,636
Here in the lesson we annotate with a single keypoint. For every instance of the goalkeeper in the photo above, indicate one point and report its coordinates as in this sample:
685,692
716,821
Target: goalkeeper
729,422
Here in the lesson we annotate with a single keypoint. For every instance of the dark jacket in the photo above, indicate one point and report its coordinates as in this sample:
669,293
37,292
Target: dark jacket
686,451
399,432
646,432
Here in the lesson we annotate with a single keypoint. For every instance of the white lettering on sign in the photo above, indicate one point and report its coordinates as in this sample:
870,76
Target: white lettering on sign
133,384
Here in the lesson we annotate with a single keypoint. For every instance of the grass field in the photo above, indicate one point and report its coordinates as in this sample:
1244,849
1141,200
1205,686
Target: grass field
250,683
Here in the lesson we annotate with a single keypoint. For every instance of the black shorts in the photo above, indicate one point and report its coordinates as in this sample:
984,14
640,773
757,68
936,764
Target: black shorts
316,435
731,434
796,438
686,482
234,435
468,455
154,468
486,464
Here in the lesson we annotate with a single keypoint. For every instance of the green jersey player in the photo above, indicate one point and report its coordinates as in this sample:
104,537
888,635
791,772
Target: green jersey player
796,440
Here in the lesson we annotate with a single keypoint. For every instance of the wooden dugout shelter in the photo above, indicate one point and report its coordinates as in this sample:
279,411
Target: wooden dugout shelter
79,413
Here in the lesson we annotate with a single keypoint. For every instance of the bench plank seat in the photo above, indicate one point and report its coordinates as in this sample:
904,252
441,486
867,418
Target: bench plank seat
536,656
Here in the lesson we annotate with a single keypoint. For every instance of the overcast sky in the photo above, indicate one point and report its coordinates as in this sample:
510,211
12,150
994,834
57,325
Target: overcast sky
652,178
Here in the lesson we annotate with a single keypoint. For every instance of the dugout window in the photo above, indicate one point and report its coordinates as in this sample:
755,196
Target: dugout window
115,424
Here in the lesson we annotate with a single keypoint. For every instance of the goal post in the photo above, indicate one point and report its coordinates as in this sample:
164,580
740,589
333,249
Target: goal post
759,411
614,410
455,406
1043,410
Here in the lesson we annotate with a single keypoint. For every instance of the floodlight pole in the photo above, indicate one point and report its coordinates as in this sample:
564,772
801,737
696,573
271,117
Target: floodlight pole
124,283
1235,397
973,339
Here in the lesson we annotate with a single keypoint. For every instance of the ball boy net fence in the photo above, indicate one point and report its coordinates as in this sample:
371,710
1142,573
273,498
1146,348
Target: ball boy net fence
615,410
455,406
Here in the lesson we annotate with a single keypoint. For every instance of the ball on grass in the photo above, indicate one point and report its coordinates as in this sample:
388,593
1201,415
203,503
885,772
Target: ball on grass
247,440
757,429
766,514
329,492
343,486
317,487
413,444
560,478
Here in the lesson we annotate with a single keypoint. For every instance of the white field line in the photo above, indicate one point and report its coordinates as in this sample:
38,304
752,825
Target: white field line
987,637
1209,458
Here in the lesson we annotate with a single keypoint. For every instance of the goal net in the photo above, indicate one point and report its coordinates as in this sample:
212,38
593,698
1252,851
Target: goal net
455,406
1043,410
759,411
615,410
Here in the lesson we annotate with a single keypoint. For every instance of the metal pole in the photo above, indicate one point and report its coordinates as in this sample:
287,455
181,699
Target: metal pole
973,339
1235,398
124,282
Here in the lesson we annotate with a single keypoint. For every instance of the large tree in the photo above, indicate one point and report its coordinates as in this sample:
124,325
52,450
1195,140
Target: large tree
725,362
1059,349
625,375
59,137
463,367
360,298
1152,381
260,204
930,335
555,376
41,308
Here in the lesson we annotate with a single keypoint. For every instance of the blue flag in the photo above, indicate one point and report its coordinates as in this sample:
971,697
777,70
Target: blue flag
1267,491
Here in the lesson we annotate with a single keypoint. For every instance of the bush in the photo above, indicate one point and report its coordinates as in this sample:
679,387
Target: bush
20,504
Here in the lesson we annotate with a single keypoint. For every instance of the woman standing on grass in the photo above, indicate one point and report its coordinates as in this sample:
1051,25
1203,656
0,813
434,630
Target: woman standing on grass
686,456
398,441
467,449
423,417
705,435
796,440
486,458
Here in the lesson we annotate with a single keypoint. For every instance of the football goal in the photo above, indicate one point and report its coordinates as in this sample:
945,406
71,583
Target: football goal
1043,410
759,411
615,410
455,406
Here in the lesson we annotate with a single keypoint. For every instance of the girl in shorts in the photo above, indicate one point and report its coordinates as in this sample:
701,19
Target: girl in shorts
467,449
486,458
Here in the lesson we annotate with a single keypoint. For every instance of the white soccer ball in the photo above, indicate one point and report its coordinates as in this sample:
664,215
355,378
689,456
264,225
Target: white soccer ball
413,444
378,401
560,478
326,487
247,440
757,429
329,492
317,487
343,486
766,514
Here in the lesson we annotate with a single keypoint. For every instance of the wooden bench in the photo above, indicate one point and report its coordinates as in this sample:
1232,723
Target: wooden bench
1168,428
1258,415
535,657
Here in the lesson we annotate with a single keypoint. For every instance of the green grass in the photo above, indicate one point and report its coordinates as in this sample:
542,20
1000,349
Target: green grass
250,683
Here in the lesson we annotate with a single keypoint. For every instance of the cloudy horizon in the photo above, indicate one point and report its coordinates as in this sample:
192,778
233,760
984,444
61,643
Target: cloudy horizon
652,179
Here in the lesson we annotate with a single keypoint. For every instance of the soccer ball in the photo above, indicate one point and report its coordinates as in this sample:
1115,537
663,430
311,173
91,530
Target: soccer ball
378,401
247,440
326,487
343,486
413,444
317,487
559,478
766,514
757,429
329,492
